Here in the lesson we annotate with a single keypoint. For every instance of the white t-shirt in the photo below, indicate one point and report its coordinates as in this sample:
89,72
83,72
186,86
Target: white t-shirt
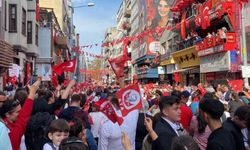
98,118
110,133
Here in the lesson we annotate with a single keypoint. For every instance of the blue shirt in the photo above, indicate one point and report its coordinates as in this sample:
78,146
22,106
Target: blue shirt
4,137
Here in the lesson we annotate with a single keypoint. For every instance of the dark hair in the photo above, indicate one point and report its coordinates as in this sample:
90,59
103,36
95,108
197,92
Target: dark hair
202,124
213,107
168,101
176,94
157,17
21,95
83,99
48,95
158,92
72,143
58,125
75,127
8,106
75,98
184,142
208,95
242,112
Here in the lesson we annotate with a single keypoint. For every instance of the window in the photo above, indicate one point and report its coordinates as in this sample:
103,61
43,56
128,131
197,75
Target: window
12,18
24,22
36,34
29,32
5,15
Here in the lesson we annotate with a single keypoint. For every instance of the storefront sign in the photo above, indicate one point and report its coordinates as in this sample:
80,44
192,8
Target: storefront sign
211,50
215,62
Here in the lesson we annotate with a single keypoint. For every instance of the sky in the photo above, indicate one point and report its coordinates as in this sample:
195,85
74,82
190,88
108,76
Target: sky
92,22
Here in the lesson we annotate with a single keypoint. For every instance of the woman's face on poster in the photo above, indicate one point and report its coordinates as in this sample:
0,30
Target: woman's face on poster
163,8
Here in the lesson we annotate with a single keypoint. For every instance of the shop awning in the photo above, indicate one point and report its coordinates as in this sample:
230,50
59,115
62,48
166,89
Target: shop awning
189,70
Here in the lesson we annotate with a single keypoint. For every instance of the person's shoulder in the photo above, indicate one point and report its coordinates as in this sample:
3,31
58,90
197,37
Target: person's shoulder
47,146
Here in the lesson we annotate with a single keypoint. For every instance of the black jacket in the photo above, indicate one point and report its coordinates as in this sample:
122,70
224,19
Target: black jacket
221,139
236,132
165,135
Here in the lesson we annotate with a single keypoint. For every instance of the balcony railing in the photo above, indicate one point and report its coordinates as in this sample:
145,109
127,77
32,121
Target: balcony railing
228,42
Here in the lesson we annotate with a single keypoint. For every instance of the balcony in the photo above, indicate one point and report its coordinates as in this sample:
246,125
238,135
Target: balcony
6,54
214,44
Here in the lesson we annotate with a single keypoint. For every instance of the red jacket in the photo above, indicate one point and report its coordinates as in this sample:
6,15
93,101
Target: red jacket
17,129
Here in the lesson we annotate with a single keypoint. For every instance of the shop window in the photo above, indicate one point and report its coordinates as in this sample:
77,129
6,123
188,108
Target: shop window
12,18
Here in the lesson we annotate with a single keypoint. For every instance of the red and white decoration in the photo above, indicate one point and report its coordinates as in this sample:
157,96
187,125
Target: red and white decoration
69,66
106,107
129,99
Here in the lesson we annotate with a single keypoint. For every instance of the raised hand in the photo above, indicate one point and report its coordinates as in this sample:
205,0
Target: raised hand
34,87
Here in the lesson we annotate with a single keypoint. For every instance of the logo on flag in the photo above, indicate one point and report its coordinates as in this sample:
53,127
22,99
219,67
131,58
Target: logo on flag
129,99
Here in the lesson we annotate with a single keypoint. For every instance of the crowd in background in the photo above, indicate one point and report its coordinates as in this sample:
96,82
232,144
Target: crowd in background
174,117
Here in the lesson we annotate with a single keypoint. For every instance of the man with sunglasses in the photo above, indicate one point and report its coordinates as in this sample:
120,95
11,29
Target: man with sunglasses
16,117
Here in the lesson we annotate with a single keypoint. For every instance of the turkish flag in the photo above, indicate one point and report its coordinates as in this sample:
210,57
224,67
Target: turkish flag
129,99
236,85
64,67
117,64
106,107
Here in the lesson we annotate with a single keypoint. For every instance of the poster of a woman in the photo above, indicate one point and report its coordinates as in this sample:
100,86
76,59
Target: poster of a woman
160,18
157,18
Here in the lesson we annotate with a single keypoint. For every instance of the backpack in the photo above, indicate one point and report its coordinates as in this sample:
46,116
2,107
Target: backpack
37,129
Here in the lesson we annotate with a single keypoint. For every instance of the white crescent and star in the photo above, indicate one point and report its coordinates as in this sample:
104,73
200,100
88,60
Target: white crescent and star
70,65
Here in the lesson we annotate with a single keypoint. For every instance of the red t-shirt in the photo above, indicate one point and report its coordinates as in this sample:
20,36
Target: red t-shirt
186,116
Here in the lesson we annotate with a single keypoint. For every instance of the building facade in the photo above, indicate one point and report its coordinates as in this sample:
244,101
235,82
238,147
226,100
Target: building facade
19,32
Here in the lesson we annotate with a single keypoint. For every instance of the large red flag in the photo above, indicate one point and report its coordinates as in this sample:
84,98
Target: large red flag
236,85
65,67
117,65
129,99
106,107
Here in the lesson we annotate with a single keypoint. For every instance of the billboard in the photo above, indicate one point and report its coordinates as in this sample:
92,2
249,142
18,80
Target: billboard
153,19
157,18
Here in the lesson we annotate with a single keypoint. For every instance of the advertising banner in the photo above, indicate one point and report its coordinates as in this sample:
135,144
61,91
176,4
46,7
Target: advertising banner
157,18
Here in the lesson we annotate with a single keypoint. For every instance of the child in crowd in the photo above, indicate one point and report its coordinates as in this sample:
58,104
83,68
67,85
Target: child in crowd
58,130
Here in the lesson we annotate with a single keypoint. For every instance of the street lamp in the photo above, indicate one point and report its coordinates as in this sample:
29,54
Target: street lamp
88,5
77,74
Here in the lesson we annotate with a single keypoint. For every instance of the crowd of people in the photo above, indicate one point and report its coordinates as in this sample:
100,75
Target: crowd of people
174,117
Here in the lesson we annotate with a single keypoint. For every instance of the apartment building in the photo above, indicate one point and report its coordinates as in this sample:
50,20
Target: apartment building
21,33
